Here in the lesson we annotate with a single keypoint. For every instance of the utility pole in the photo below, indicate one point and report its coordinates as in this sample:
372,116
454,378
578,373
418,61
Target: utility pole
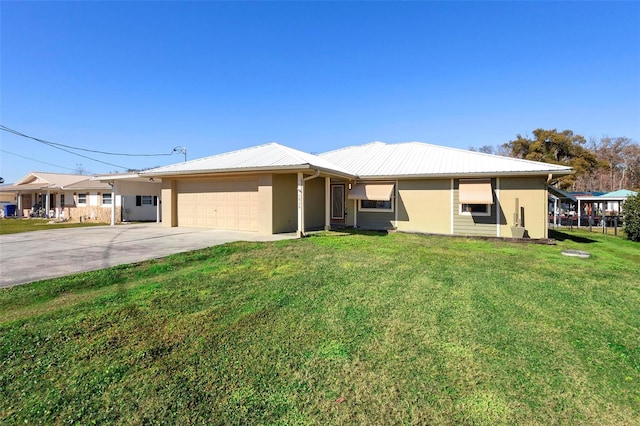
182,150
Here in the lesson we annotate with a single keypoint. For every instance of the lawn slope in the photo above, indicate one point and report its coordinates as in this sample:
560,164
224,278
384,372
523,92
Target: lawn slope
337,328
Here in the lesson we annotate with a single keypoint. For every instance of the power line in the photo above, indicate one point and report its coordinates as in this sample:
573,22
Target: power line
52,145
38,161
55,144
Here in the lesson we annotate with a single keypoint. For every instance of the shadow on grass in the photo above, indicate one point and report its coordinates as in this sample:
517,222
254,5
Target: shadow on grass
352,231
562,236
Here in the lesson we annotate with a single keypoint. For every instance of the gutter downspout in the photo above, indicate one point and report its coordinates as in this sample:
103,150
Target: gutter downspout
313,176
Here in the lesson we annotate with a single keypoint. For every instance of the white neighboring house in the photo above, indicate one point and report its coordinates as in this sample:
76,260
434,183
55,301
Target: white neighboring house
140,197
80,197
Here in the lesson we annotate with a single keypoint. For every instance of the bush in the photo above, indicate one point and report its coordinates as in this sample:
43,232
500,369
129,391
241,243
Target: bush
632,217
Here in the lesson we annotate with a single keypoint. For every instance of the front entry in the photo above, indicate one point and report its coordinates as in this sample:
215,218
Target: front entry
338,203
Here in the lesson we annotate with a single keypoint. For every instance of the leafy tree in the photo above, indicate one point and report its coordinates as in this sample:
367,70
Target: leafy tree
632,218
551,146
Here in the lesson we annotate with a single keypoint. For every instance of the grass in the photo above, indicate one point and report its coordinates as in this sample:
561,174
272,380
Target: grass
14,226
337,328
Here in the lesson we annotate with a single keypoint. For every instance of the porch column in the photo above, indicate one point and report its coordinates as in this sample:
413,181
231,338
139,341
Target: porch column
327,203
158,208
47,203
19,204
355,214
579,214
113,203
300,232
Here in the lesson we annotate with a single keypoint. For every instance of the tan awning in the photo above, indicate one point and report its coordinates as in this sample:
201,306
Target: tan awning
475,191
371,191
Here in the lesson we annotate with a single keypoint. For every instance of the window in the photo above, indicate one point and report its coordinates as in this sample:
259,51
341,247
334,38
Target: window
376,205
476,197
82,198
146,200
373,197
106,198
62,200
475,209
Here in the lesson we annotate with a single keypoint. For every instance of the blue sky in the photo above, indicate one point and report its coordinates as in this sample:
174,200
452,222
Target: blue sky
145,77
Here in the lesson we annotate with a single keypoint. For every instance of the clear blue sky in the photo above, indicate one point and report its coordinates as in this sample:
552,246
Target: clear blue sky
145,77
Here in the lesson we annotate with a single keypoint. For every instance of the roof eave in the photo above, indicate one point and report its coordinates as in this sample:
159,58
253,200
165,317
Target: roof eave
469,175
244,170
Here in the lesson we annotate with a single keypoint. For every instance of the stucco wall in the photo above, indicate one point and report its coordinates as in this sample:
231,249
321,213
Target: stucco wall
314,204
424,205
532,195
464,224
169,204
285,203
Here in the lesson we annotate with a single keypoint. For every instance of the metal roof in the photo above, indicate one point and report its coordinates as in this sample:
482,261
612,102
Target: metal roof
621,193
39,181
50,180
271,156
414,159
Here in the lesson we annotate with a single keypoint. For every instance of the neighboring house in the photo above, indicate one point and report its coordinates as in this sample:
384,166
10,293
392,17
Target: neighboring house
591,207
407,186
76,197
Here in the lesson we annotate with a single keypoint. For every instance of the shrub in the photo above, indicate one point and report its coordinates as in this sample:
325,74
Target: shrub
632,217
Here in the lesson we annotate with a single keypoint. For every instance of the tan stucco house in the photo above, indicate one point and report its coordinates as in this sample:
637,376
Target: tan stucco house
411,186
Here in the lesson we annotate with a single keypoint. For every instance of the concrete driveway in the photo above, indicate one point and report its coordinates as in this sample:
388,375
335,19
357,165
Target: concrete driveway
34,256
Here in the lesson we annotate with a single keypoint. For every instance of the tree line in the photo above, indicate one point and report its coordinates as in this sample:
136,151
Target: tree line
605,164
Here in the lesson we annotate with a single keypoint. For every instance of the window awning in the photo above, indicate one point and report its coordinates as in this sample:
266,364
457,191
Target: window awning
475,191
371,191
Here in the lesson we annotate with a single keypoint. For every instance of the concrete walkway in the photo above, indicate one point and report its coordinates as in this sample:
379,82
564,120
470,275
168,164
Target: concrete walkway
39,255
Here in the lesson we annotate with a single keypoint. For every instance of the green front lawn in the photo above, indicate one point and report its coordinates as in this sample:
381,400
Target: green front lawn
337,328
15,225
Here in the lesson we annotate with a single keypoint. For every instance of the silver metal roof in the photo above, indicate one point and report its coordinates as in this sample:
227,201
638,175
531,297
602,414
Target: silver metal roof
271,156
373,160
414,159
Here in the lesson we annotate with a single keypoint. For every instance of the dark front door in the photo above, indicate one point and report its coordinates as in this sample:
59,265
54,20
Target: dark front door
337,203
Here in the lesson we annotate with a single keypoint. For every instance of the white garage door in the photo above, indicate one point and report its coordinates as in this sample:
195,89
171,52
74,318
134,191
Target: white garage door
220,203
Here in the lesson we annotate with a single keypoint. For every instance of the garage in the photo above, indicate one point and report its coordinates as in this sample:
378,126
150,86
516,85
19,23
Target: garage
219,203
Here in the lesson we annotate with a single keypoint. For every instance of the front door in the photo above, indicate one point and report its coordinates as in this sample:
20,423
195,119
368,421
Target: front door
337,203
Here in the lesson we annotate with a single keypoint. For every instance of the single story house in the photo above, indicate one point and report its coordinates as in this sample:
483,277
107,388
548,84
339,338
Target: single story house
80,197
592,207
414,186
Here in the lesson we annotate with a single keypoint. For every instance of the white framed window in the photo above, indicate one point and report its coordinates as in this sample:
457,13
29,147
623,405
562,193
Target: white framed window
475,209
146,200
373,196
106,198
476,197
82,198
376,205
62,204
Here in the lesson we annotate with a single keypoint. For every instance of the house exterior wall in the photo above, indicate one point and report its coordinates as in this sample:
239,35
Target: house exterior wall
265,200
423,205
275,201
170,205
70,209
465,224
285,203
8,198
219,202
531,193
314,204
92,210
